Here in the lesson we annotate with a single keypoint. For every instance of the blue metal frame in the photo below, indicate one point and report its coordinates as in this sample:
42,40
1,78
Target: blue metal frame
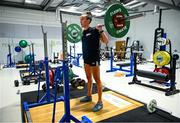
67,116
76,61
9,59
46,99
112,68
9,62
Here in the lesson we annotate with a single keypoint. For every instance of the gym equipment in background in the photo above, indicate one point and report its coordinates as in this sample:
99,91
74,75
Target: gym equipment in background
121,66
77,83
46,99
18,49
105,53
159,32
55,58
23,43
117,25
9,59
161,55
74,34
47,94
20,64
75,60
120,50
31,73
153,107
71,75
61,74
164,78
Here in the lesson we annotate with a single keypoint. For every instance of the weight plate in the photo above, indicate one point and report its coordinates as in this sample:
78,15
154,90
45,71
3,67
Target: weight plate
116,24
151,107
161,58
74,33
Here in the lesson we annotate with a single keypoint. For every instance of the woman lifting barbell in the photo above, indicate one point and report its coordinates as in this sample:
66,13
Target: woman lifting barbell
91,55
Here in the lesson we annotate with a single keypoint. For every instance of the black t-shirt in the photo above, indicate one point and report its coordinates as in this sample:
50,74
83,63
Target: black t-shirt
91,44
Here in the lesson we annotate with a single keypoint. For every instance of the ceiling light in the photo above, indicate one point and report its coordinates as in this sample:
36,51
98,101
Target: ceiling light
98,10
94,1
73,8
130,3
30,1
137,5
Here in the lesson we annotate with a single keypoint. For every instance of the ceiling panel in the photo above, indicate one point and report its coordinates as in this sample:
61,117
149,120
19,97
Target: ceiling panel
170,1
37,2
83,6
19,1
56,2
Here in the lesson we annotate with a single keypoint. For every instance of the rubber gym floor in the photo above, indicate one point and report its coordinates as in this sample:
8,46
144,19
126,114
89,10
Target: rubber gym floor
138,114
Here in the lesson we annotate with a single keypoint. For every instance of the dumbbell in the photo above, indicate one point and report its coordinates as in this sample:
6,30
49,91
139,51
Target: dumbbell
24,82
77,83
35,81
27,82
81,84
73,83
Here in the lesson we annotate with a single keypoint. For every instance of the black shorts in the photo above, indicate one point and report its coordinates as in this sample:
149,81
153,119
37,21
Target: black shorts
92,63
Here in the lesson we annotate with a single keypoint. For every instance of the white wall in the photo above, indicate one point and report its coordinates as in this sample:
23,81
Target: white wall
27,17
25,24
141,29
18,24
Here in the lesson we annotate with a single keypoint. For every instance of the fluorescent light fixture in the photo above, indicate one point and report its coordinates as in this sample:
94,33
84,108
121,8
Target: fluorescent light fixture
70,10
98,10
130,3
94,1
73,8
98,14
136,5
30,1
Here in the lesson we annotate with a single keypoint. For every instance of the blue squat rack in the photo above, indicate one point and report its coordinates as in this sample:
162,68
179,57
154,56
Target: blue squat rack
46,99
61,73
9,59
67,117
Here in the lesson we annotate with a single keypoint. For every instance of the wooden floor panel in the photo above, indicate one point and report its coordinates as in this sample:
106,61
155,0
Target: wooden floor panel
44,113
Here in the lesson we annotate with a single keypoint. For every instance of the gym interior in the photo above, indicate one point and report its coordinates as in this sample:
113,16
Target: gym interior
42,72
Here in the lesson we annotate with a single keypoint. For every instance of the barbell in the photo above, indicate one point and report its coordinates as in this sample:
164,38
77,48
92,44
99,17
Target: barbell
116,22
152,107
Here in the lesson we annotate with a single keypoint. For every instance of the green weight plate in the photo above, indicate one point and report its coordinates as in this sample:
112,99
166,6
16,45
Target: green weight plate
74,33
114,11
